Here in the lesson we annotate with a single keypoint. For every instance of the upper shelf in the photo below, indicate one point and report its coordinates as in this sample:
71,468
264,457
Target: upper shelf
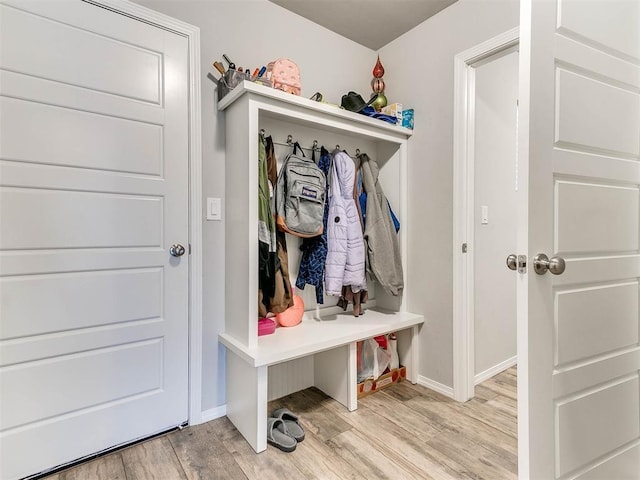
311,106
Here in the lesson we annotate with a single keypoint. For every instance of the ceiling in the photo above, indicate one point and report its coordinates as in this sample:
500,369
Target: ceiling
372,23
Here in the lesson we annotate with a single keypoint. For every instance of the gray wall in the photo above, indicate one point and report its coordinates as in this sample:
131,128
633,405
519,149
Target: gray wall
251,33
419,74
495,182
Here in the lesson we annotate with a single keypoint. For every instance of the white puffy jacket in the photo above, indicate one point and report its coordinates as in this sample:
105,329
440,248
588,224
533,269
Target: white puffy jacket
345,256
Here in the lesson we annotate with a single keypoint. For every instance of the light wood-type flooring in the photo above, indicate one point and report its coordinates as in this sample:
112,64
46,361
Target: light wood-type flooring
403,432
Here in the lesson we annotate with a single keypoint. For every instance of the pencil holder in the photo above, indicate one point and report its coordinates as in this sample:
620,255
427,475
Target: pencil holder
232,78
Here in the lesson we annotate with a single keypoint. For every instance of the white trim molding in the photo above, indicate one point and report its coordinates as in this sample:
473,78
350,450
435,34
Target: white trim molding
463,194
435,386
213,413
495,370
192,34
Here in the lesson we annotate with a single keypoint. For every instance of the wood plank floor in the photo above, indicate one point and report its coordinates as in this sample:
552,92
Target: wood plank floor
403,432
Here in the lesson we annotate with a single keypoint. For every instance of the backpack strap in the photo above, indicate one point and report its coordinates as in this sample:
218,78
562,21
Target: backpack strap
272,163
296,147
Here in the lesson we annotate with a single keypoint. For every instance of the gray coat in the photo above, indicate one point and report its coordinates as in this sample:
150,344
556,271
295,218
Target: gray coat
381,239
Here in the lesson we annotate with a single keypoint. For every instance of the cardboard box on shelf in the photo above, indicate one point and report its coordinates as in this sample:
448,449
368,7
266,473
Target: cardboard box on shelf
370,386
394,110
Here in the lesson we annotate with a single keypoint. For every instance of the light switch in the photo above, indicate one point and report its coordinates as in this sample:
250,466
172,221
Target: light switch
214,209
484,215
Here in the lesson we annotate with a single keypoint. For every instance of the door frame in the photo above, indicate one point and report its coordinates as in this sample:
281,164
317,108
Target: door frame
463,207
192,34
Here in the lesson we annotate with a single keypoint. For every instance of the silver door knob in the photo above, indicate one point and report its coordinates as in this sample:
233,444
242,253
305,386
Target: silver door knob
176,250
512,262
542,263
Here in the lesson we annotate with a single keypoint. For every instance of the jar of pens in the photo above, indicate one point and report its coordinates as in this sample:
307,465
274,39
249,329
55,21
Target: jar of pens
232,76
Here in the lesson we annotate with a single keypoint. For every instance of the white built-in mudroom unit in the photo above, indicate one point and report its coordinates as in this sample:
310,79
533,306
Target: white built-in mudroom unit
320,351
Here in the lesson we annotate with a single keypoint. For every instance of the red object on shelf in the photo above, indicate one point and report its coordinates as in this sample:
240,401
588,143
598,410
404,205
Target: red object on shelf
266,326
382,341
378,70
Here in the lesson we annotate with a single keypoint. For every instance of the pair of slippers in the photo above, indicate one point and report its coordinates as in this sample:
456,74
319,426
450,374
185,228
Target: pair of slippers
284,430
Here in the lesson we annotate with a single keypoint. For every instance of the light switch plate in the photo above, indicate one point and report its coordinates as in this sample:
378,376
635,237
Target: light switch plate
484,215
214,208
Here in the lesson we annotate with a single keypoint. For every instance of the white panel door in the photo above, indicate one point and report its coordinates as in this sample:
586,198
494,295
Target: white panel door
93,192
579,348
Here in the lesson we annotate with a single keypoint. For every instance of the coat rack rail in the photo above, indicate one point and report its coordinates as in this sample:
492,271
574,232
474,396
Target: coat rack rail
290,142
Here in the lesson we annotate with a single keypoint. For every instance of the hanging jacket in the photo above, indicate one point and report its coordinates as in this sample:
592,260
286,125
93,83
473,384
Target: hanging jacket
314,249
278,296
266,229
383,250
345,256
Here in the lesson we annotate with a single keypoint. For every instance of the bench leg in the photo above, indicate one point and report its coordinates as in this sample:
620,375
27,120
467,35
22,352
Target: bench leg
331,376
247,400
408,351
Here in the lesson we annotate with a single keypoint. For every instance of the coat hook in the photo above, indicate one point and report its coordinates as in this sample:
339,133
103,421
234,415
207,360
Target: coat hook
357,152
315,145
337,147
289,140
262,132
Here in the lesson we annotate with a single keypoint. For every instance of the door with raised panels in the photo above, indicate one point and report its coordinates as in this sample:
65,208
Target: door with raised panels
579,408
93,194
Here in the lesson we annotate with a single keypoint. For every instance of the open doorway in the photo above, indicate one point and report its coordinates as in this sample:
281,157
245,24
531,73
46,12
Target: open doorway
494,213
485,176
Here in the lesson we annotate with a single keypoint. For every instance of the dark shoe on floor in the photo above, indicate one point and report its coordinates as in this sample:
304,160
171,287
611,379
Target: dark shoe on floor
291,422
278,436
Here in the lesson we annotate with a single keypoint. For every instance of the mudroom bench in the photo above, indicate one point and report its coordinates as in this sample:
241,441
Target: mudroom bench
329,344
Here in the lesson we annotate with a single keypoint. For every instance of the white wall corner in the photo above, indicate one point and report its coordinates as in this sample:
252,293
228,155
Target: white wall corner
213,413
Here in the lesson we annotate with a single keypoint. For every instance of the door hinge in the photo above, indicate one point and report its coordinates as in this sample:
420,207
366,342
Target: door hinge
189,249
464,247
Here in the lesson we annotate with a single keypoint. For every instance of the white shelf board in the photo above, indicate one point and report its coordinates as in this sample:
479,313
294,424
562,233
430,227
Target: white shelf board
317,335
317,107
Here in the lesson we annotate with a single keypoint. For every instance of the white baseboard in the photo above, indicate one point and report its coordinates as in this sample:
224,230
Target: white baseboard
435,386
496,369
213,413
